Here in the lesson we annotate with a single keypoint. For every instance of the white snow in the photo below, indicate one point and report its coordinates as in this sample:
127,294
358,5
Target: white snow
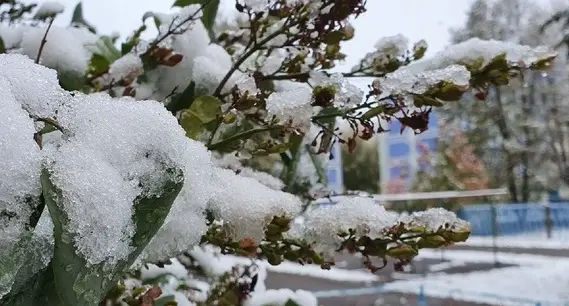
20,161
230,161
247,206
476,48
279,297
539,240
49,9
126,68
189,44
35,87
292,107
101,170
537,279
406,81
65,49
322,226
347,94
12,35
435,218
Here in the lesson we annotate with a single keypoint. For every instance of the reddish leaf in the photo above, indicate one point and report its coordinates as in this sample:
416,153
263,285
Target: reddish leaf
172,60
150,296
482,95
351,145
129,91
160,53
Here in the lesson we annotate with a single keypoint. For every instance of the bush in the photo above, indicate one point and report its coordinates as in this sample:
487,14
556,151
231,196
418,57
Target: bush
117,161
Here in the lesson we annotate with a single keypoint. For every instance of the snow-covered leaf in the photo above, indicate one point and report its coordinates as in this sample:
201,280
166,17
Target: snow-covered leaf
80,283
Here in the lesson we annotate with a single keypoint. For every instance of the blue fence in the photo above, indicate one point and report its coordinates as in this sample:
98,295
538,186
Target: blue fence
515,219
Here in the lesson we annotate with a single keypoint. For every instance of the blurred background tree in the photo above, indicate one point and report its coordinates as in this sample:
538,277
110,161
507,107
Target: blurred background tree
361,167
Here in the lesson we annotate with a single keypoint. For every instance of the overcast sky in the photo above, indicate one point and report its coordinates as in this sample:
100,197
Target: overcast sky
416,19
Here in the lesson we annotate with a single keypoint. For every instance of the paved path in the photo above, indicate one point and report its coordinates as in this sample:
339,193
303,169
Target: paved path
334,293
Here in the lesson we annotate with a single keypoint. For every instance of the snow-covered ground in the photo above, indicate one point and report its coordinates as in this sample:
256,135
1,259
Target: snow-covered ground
534,279
538,239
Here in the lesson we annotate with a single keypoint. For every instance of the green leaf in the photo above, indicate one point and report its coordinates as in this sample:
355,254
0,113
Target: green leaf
209,11
71,81
202,111
191,124
98,65
78,18
207,108
320,171
80,283
10,262
334,37
378,110
291,303
168,300
157,21
291,164
2,46
127,46
422,100
183,100
106,48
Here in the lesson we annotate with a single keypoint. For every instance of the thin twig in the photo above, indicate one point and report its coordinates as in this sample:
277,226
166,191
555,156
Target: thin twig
243,58
51,122
44,40
172,29
241,136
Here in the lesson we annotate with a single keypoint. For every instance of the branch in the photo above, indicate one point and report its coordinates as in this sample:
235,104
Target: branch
241,135
172,30
244,57
44,40
51,122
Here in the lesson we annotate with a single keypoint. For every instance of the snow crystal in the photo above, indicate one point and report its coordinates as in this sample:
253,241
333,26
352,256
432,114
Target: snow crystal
291,106
20,161
392,46
476,48
363,215
35,87
435,218
263,178
272,63
406,81
347,95
386,50
108,160
176,236
247,206
280,297
49,9
126,68
230,161
64,50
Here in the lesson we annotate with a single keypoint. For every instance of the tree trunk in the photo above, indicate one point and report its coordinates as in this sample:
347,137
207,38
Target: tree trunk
510,162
